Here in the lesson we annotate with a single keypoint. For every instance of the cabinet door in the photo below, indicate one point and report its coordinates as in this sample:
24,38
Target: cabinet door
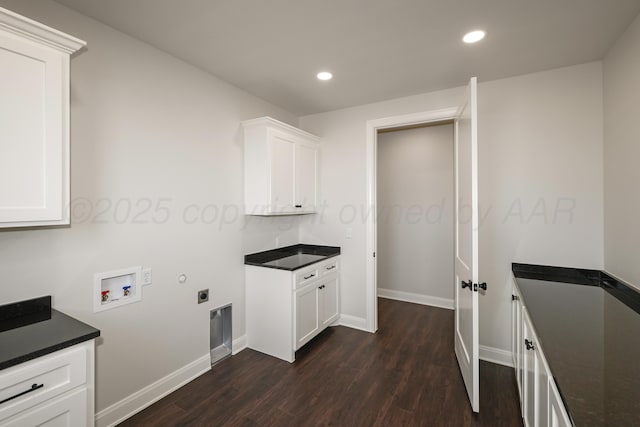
34,174
307,309
536,378
282,174
516,339
330,308
70,410
542,389
529,374
558,416
306,177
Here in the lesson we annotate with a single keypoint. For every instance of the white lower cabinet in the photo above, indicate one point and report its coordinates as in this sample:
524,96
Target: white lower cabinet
329,301
516,339
540,400
52,390
67,411
286,309
307,308
558,416
316,307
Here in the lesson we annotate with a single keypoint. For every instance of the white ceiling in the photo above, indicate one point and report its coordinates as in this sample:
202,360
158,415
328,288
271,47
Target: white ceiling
376,49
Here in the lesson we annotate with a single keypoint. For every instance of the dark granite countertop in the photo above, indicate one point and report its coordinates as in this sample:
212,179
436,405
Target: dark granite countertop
31,329
588,326
292,257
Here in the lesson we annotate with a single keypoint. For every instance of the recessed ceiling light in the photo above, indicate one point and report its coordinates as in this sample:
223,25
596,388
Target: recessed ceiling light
473,36
325,75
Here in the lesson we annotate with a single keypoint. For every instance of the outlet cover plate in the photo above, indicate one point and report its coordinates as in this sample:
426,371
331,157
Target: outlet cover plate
146,276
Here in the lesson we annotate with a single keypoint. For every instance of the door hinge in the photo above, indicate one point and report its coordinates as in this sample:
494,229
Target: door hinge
482,286
374,254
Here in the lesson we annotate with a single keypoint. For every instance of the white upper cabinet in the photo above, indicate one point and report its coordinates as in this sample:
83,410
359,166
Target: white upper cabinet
34,122
281,168
306,172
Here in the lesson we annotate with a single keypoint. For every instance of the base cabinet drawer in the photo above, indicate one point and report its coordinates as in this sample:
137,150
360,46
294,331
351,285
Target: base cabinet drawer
38,380
53,390
306,276
67,411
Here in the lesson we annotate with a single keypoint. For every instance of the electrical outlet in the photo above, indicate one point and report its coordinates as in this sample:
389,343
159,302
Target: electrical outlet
146,276
203,296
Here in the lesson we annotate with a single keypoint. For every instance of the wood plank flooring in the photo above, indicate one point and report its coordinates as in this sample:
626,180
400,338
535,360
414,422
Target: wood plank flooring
404,375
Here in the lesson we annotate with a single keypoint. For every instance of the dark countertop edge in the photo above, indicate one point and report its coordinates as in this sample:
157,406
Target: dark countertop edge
48,350
291,269
576,276
620,290
259,259
38,311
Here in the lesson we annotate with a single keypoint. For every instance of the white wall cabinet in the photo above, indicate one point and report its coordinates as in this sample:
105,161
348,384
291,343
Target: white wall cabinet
60,389
34,122
286,309
540,400
281,168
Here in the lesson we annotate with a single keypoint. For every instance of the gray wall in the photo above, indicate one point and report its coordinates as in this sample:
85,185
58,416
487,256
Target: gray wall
145,127
540,184
415,211
621,156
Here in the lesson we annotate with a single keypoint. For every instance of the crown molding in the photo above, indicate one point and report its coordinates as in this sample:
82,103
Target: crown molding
27,28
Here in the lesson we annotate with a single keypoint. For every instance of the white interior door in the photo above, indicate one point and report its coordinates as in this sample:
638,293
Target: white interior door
466,243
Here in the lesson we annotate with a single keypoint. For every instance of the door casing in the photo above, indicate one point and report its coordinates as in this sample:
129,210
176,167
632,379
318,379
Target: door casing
373,126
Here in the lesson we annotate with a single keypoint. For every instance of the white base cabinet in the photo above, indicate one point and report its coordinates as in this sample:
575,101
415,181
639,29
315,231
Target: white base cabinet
286,309
540,400
316,307
280,168
59,389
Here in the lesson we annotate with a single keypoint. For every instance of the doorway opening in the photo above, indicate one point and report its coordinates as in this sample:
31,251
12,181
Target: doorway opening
374,127
415,213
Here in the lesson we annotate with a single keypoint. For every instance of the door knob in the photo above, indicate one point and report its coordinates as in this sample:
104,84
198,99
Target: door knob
466,284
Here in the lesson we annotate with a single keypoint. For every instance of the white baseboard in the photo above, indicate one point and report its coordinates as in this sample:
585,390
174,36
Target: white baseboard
145,397
496,355
353,322
416,298
141,399
239,344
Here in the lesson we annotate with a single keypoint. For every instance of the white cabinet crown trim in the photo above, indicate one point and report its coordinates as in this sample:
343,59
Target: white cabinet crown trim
39,33
268,121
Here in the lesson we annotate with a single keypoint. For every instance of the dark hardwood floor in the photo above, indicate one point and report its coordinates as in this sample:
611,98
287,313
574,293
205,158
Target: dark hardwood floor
405,374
